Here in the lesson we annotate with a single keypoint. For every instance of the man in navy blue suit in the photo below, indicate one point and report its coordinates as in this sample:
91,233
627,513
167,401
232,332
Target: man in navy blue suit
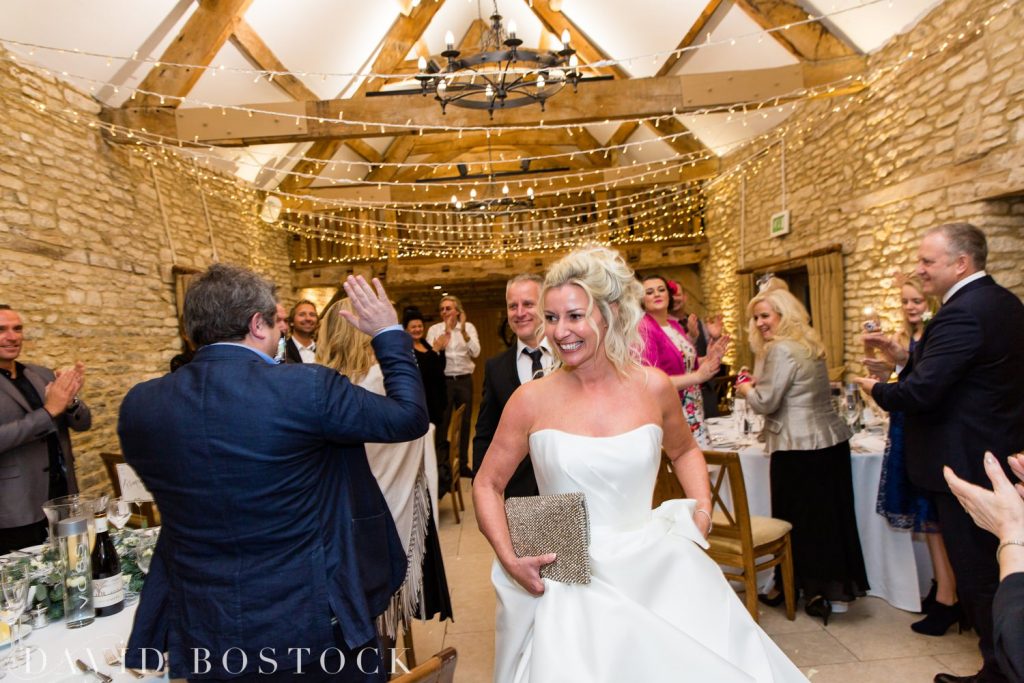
963,394
277,548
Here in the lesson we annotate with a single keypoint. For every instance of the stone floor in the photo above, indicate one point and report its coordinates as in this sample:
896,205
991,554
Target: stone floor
872,642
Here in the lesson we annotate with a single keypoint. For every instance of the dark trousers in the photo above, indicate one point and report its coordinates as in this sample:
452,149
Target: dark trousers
972,552
460,391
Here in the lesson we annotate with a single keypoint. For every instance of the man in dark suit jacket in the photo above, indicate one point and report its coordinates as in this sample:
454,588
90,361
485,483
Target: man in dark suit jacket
963,394
36,410
277,548
505,372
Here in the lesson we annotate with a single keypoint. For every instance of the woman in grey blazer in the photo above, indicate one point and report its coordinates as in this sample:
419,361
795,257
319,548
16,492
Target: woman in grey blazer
811,481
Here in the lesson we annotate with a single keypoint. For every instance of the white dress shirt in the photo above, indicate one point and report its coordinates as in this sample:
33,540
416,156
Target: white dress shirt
524,364
960,285
459,354
307,353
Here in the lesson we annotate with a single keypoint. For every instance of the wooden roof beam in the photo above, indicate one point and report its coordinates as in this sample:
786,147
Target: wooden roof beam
595,102
807,42
259,54
198,42
404,33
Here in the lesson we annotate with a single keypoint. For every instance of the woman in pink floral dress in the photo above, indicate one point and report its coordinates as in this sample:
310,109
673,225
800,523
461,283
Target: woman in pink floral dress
667,347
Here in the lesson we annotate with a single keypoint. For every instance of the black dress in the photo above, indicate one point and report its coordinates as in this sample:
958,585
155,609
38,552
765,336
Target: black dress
431,365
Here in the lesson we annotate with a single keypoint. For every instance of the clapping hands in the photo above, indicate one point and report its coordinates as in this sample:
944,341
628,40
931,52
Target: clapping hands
61,392
1001,510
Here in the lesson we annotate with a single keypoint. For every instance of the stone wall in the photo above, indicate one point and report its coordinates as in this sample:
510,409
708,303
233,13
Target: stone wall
940,139
86,257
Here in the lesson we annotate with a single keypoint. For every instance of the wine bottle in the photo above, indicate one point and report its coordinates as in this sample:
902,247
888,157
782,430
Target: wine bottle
107,582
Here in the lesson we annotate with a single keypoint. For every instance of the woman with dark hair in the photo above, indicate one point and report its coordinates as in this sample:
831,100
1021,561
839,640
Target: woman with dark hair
668,348
430,359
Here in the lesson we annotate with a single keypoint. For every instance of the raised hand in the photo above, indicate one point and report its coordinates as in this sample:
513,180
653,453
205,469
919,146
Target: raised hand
371,310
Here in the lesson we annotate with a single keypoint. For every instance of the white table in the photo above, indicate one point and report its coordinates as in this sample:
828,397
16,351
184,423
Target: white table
59,647
898,567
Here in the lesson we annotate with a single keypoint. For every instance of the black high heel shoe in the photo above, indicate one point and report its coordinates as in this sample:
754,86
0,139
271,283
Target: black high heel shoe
819,606
771,601
940,617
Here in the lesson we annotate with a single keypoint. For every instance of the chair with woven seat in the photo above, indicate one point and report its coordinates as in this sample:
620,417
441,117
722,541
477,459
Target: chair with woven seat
438,669
737,539
751,544
454,441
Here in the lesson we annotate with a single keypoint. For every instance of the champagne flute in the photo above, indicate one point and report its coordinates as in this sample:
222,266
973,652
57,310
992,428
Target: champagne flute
15,577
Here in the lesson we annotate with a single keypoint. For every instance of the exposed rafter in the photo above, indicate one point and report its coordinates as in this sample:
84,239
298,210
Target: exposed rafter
259,54
395,45
623,132
599,101
589,51
806,41
198,42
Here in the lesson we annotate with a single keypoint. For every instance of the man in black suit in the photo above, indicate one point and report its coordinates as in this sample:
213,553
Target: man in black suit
528,358
963,394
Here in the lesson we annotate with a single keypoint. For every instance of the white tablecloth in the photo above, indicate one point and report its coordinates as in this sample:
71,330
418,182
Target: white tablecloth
59,647
898,567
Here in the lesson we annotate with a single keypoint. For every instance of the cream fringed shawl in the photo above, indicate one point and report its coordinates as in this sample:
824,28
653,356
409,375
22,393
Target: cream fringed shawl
402,476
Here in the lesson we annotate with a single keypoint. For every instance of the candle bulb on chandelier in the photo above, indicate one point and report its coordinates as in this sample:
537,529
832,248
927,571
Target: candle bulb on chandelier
449,40
565,39
511,29
421,64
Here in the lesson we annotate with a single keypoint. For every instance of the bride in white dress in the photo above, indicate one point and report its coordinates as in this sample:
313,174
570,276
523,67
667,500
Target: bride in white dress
657,608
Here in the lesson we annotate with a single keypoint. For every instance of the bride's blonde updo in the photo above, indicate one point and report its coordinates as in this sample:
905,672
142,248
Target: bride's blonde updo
604,276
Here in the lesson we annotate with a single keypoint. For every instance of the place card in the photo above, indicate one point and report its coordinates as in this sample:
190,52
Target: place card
132,487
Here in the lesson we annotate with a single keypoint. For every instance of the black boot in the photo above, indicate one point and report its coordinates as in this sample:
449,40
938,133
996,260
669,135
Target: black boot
929,600
939,619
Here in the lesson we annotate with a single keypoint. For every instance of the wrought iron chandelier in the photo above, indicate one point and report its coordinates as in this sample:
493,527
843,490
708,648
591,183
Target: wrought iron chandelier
493,204
502,75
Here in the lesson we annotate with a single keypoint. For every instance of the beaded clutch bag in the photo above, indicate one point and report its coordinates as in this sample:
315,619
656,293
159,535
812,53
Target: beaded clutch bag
552,524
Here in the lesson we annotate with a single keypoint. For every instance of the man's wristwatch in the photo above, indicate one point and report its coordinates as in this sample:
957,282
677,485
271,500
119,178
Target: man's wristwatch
75,403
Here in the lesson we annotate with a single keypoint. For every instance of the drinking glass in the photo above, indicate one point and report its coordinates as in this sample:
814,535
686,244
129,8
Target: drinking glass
119,511
15,577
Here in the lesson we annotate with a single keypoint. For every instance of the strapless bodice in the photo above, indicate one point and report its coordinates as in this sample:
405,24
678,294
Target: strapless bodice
616,473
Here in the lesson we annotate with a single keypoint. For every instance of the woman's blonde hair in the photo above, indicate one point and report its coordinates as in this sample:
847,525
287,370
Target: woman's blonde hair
914,282
341,346
794,323
606,279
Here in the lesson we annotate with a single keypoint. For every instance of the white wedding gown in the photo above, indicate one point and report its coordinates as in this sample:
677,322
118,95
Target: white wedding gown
657,607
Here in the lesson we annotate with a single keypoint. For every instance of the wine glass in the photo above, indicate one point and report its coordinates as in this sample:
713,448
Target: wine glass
144,551
15,577
119,511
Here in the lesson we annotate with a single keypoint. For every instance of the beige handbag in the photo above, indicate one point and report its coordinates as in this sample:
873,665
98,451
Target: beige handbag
557,524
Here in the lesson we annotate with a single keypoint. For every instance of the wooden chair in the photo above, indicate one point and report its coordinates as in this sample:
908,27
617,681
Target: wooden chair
454,441
438,669
738,539
837,373
149,516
